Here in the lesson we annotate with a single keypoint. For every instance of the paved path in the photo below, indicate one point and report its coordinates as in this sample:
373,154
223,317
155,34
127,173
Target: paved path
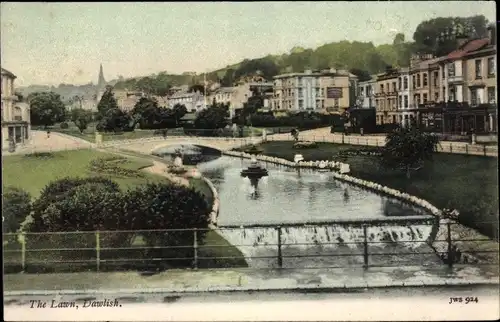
56,142
182,281
324,135
395,304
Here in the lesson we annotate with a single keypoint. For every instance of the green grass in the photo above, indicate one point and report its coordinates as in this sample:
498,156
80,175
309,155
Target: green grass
463,182
34,173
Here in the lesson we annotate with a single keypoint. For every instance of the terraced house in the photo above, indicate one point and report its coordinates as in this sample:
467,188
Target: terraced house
15,114
386,97
464,90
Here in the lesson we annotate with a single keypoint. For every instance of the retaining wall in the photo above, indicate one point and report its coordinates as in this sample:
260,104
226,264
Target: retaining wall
439,231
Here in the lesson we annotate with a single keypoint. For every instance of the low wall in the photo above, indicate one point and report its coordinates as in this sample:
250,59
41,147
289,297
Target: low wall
440,231
215,204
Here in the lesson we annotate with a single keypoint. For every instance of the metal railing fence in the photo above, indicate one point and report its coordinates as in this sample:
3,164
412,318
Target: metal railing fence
275,245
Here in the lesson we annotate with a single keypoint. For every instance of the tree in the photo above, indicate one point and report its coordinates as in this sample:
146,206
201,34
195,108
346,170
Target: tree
145,112
110,117
46,108
439,36
211,118
82,118
228,79
179,111
408,148
16,206
107,102
197,88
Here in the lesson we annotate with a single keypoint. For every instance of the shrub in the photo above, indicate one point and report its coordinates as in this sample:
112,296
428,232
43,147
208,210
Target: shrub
57,196
63,125
111,167
165,206
16,206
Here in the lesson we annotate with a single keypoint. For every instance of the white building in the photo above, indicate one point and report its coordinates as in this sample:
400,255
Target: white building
15,114
194,102
328,90
366,93
405,99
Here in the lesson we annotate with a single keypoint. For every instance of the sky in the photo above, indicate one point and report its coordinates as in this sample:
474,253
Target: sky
53,43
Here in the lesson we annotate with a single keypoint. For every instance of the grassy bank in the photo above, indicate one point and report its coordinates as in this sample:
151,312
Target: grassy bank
464,182
33,172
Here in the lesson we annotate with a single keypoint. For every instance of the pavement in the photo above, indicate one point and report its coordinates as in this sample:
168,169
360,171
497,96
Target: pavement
196,281
400,304
56,142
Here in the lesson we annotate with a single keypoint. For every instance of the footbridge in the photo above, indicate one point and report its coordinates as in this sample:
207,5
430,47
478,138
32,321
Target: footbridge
149,145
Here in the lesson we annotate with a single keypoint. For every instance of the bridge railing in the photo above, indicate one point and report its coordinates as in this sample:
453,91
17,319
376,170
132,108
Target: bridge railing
262,247
444,146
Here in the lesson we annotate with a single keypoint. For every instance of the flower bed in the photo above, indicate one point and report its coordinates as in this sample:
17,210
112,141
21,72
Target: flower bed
104,166
305,145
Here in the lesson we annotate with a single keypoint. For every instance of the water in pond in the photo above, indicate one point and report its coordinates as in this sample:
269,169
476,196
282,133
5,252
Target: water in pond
288,197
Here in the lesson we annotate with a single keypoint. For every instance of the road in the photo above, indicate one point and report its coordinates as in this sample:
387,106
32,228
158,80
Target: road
369,304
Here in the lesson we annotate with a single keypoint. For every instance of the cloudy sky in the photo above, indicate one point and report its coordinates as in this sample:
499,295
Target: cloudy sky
51,43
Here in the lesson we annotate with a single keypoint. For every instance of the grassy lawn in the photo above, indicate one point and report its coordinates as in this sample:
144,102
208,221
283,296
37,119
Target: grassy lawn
32,173
464,182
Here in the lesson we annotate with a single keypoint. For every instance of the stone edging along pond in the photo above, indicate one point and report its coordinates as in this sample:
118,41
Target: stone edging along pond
437,243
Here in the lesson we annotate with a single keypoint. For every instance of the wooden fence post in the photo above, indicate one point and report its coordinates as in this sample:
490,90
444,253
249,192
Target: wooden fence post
365,247
195,248
451,148
484,149
98,250
466,149
280,255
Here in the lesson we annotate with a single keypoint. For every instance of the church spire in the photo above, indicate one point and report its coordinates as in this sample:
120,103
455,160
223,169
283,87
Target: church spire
101,83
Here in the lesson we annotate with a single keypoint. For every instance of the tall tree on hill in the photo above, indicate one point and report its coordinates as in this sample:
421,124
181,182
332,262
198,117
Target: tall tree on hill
439,36
107,101
46,108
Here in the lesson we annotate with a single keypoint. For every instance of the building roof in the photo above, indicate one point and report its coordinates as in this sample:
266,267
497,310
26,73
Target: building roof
8,73
468,47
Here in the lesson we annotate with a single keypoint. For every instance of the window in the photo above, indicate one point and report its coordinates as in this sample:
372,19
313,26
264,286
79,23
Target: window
301,94
474,97
436,96
491,67
418,80
317,104
425,81
491,95
405,101
405,82
451,94
322,92
362,91
381,88
394,90
478,69
424,98
451,69
417,99
399,83
301,104
336,103
414,83
299,81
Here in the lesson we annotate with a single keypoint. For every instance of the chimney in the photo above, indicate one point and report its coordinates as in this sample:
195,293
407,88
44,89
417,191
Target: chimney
492,35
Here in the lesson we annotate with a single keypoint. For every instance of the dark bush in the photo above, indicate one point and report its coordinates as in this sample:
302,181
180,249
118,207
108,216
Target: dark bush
16,206
63,125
